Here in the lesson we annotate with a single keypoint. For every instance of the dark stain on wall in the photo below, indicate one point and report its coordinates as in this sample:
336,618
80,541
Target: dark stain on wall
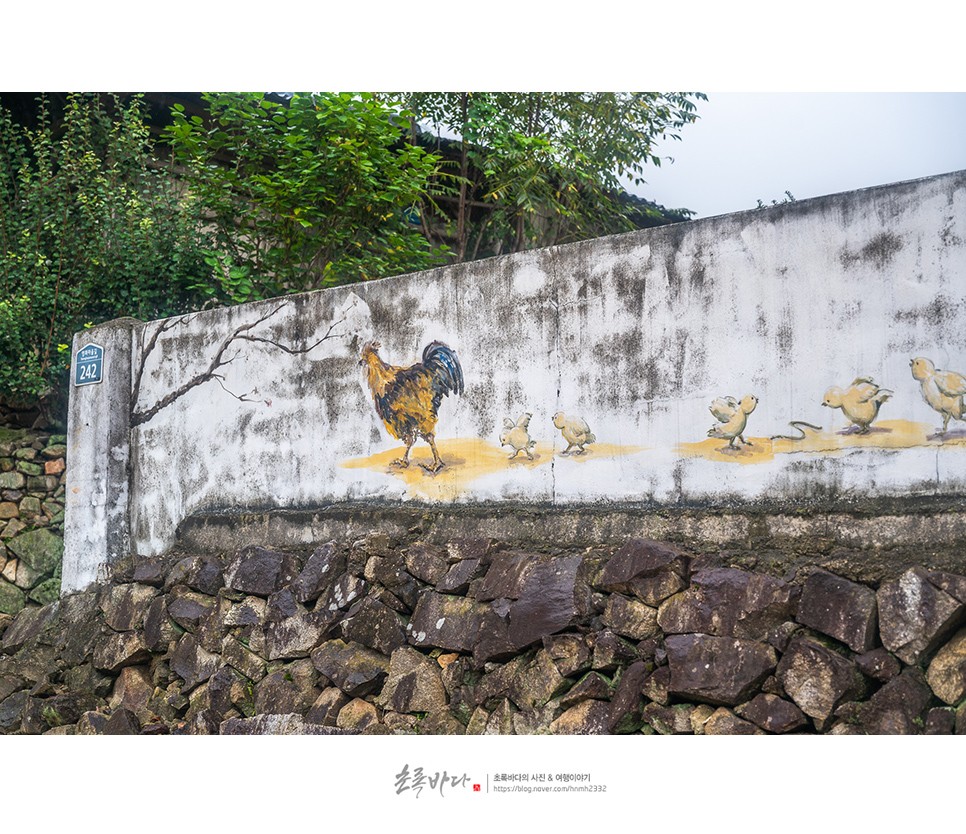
878,252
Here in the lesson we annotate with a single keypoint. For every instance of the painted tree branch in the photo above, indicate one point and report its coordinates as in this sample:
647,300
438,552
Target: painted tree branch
242,333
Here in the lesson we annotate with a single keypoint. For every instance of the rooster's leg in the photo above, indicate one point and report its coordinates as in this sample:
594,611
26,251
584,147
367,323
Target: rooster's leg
403,462
437,461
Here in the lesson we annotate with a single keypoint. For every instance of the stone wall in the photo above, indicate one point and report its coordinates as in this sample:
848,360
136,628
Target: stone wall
623,351
414,634
32,488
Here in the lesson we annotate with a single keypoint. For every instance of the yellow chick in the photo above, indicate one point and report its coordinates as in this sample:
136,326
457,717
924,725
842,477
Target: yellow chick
733,415
516,436
860,402
942,390
575,431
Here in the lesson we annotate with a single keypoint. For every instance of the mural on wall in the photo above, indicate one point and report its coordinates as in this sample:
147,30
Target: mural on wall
517,436
733,416
942,390
575,431
407,400
860,402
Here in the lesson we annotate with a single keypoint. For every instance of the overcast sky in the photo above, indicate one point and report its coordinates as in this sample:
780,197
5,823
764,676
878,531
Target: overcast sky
753,146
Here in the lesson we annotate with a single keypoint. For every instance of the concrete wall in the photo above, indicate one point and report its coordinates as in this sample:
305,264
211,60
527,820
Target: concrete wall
635,335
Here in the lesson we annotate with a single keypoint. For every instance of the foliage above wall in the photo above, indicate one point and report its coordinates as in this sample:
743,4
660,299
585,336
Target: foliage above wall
304,195
90,229
537,169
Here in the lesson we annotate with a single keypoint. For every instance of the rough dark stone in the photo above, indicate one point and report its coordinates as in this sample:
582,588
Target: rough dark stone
586,718
358,715
898,708
192,663
458,577
132,690
11,711
841,609
915,616
727,602
356,670
774,714
115,651
818,678
505,576
668,720
187,608
947,671
537,683
446,622
123,722
649,570
347,589
656,685
460,549
10,684
625,706
591,686
496,683
158,628
630,618
441,722
251,611
150,573
546,602
878,665
780,636
426,562
951,583
242,659
717,670
940,721
386,572
493,642
277,725
293,636
611,652
260,571
375,626
200,573
91,723
27,626
569,652
321,568
291,689
414,683
723,722
326,708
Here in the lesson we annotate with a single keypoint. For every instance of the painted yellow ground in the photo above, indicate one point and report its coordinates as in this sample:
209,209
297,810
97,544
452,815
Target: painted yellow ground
466,460
887,434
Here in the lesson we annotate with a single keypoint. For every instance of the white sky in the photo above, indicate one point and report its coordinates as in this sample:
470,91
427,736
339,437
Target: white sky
747,147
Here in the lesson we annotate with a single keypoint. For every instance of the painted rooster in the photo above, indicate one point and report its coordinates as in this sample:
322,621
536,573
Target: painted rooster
407,399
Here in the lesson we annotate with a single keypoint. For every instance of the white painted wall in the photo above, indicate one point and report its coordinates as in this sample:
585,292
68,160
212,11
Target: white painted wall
635,333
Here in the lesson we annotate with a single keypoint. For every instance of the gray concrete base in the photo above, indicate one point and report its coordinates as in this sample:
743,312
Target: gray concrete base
866,544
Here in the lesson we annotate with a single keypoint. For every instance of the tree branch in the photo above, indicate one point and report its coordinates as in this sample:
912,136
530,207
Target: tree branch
241,333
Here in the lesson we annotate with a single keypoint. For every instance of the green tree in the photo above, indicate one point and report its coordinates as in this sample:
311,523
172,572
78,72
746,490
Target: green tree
91,228
545,168
305,194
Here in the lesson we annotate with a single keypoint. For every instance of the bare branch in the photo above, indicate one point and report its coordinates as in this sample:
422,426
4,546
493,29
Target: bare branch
240,397
242,333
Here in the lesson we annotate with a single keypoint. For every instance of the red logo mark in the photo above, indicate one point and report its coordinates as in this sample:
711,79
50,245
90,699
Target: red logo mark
476,787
